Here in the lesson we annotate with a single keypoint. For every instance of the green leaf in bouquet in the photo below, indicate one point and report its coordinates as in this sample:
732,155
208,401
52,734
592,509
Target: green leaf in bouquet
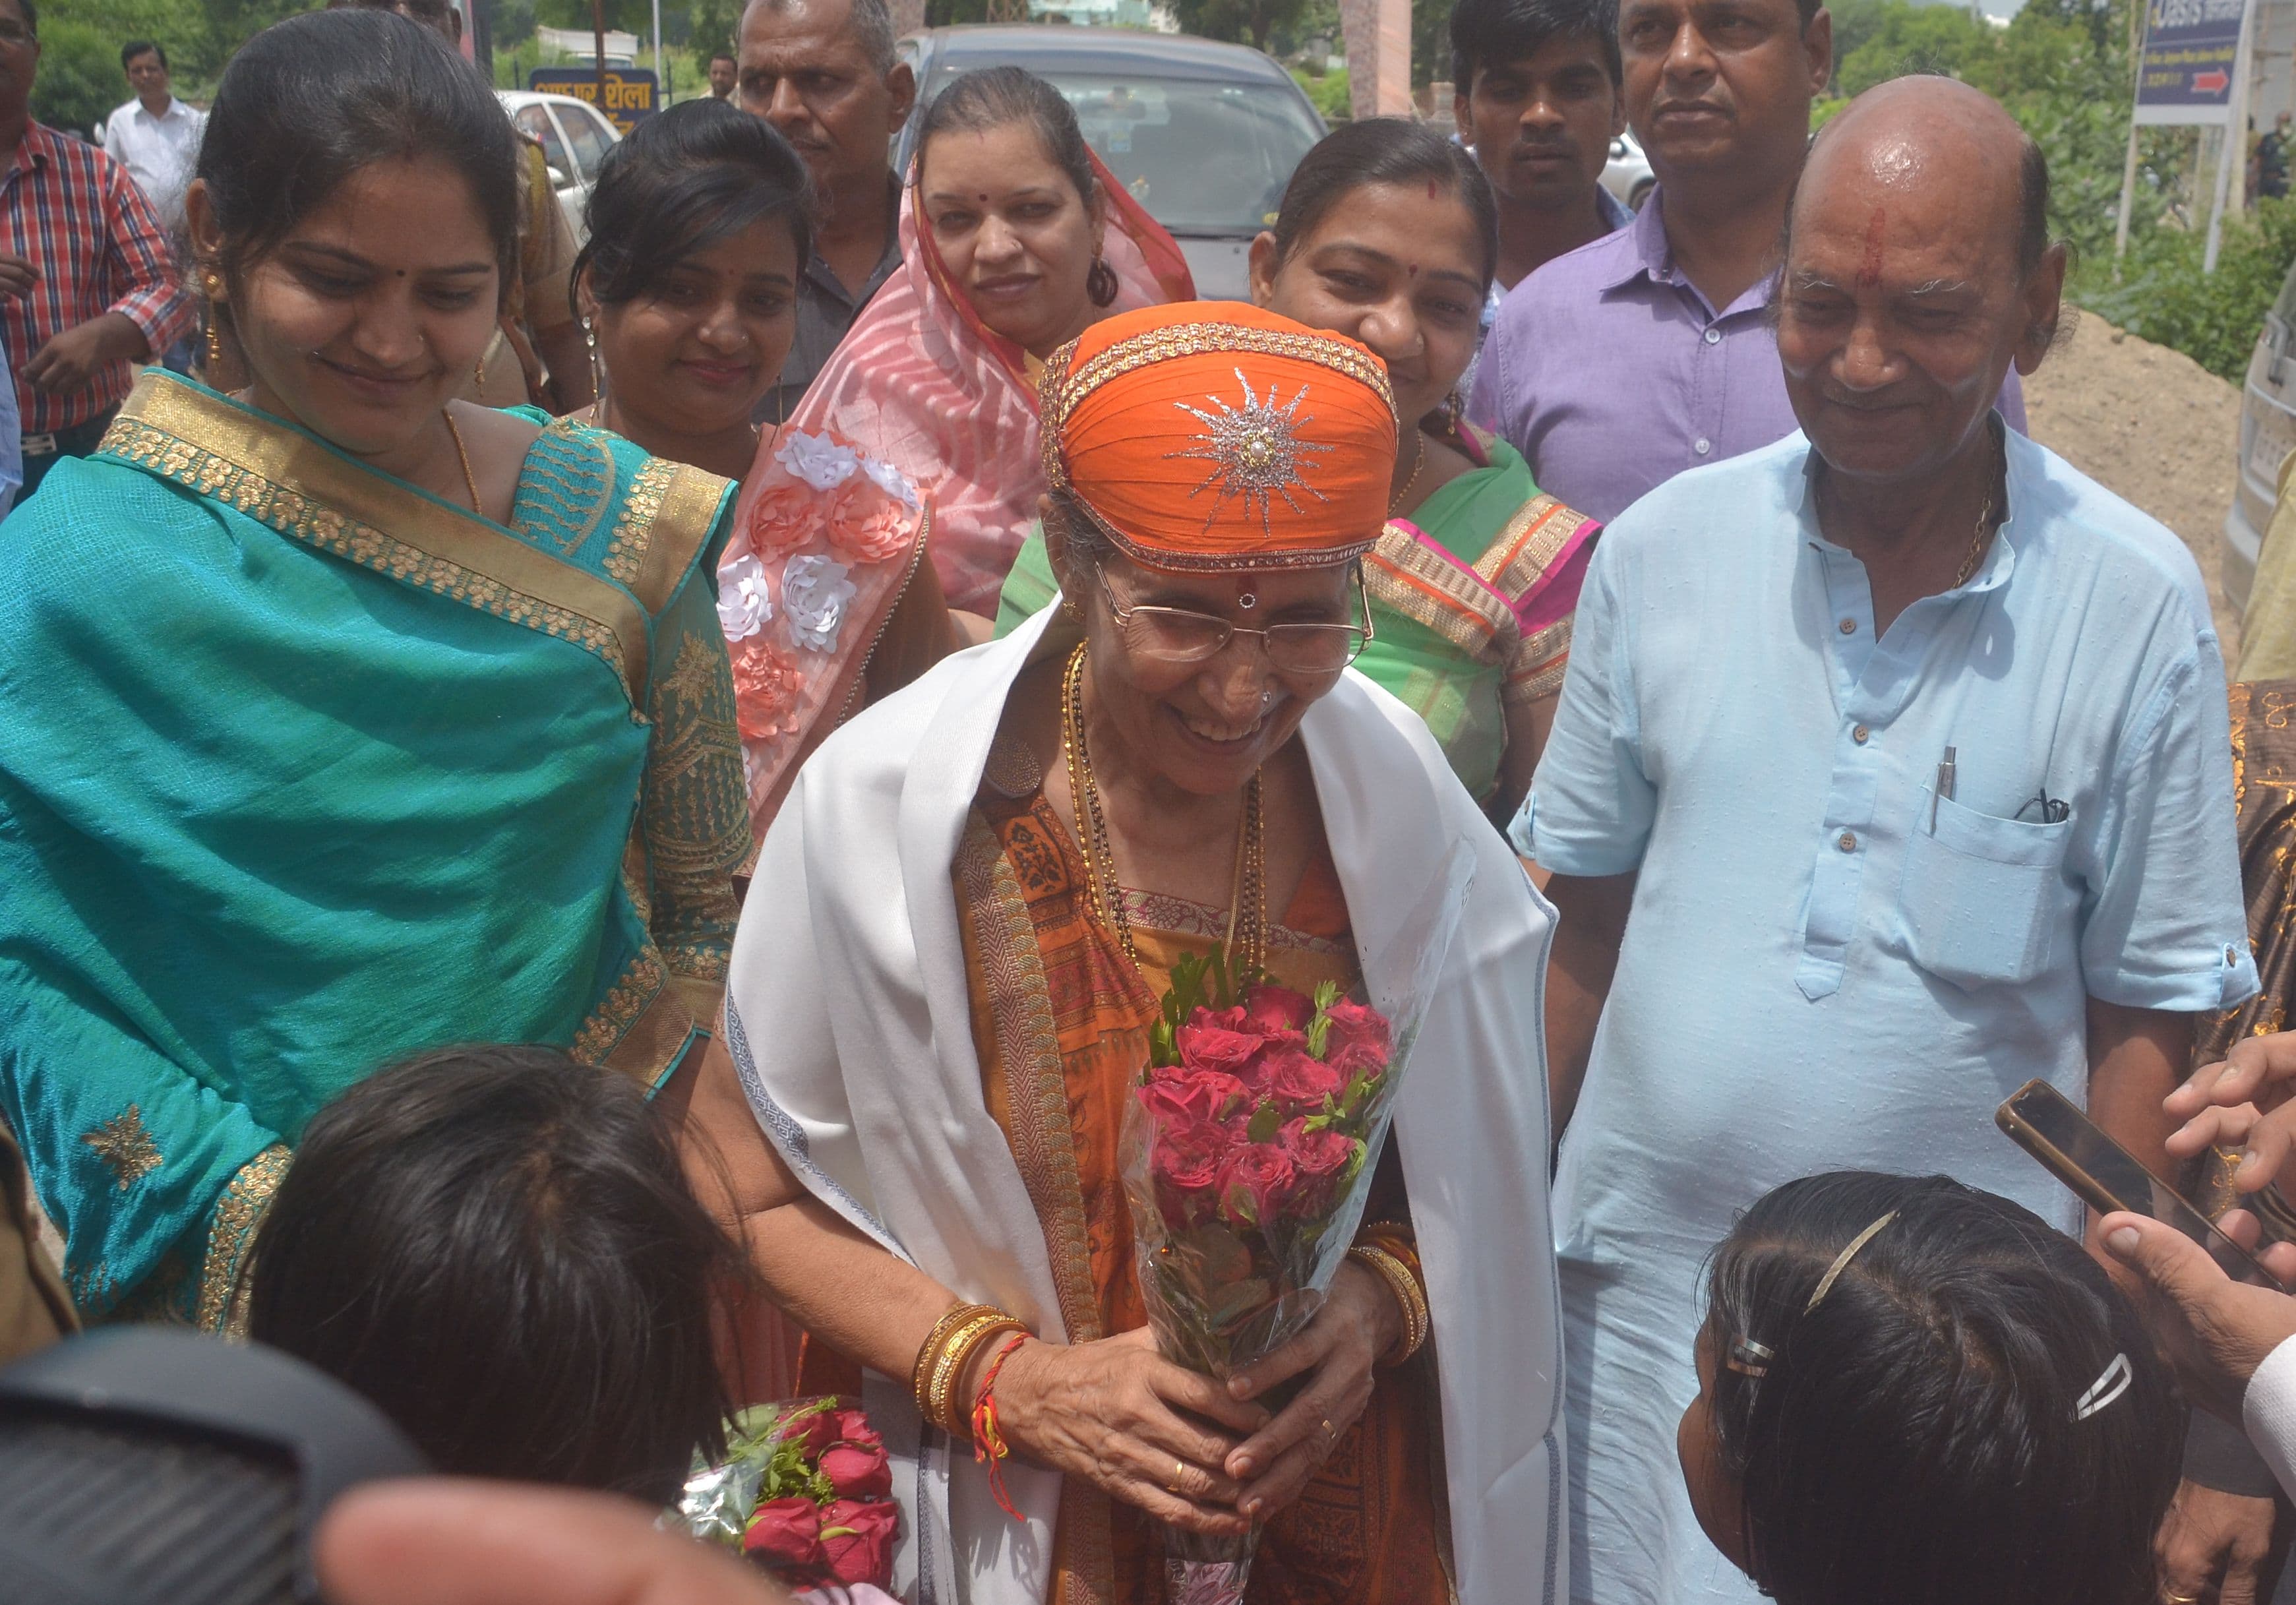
1319,1027
1163,1047
1266,1120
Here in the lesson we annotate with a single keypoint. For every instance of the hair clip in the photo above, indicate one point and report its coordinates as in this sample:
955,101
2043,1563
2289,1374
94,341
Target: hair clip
1749,1358
2116,1379
1841,1262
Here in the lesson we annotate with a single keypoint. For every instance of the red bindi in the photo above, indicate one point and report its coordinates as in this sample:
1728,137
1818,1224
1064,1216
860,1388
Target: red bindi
1869,271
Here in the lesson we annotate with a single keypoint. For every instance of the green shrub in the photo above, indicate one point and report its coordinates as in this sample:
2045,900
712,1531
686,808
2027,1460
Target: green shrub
2160,294
79,80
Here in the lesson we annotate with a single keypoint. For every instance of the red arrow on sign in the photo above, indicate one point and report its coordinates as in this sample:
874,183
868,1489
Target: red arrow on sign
2210,82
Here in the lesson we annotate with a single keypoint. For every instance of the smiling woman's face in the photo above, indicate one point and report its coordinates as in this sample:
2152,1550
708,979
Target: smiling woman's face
367,316
1018,239
693,355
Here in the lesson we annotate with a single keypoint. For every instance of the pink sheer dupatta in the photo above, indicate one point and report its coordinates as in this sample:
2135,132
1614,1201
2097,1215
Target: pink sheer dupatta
938,414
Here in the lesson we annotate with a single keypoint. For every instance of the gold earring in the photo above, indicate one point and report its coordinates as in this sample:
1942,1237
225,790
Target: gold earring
478,374
211,286
597,372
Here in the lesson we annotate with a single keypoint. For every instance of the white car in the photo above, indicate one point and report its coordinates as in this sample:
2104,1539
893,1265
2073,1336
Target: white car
1627,174
574,138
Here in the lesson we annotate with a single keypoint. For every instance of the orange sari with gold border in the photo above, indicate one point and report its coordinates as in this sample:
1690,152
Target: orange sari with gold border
1060,1018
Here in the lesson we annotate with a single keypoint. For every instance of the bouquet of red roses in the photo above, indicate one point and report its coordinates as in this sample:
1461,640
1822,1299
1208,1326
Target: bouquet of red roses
806,1491
1248,1153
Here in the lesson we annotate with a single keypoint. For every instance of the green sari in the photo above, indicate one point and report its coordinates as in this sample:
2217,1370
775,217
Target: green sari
326,771
1471,598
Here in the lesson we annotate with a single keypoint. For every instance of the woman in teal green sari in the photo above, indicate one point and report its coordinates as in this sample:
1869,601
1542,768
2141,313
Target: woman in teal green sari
341,722
1387,234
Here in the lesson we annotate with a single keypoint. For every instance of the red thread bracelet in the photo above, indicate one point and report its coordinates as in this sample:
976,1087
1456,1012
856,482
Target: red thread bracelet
988,1442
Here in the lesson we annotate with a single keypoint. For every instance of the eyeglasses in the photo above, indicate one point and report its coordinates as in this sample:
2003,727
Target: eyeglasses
14,34
1183,635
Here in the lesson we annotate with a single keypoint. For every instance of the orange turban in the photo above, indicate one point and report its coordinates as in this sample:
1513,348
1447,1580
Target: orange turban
1213,435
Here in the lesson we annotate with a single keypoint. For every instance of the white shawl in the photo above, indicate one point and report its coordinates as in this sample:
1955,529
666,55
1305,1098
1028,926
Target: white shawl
850,1022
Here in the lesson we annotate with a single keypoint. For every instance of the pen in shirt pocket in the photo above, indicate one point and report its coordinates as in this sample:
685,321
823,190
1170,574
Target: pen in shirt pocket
1943,789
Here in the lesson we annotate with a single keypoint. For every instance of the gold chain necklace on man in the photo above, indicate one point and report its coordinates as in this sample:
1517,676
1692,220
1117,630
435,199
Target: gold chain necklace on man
1984,523
1418,463
1246,941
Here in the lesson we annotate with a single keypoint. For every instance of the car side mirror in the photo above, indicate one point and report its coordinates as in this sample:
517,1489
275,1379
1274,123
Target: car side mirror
558,179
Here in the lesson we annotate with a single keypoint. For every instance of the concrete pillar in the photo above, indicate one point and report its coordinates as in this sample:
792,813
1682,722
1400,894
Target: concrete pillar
1377,35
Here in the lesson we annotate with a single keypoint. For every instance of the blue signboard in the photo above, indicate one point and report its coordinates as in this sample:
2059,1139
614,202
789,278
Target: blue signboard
631,92
2192,50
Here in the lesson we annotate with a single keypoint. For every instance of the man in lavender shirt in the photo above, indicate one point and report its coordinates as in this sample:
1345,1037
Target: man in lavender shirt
1617,366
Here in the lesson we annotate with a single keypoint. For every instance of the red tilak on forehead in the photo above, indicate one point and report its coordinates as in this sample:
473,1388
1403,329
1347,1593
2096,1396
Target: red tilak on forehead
1869,271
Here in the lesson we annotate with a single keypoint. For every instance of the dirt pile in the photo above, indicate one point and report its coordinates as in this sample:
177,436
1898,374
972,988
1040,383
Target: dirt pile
2150,424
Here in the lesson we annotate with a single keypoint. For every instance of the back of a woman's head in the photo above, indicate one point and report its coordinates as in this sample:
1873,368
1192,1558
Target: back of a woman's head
497,1246
1384,150
998,97
1931,1432
309,102
696,174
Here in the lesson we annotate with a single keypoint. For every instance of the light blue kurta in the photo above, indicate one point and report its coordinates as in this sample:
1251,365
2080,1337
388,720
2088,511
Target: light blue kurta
1826,967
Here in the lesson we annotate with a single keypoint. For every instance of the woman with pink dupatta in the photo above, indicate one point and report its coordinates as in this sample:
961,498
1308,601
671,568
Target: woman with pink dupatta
904,484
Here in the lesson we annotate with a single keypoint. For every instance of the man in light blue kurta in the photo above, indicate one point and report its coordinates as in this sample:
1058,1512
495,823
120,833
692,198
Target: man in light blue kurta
1830,959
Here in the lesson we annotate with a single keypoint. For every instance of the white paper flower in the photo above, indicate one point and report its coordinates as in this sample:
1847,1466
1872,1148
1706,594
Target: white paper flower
815,592
817,460
891,480
745,597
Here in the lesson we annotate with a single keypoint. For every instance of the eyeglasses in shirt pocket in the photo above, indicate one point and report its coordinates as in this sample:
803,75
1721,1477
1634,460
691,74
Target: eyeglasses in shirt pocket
1982,897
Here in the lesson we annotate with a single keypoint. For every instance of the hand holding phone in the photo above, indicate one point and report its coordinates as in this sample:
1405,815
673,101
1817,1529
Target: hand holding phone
2048,1125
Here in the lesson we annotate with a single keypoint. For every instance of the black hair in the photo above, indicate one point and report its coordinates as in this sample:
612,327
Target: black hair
681,182
1915,1439
497,1246
1384,150
309,102
717,56
997,97
137,47
1492,33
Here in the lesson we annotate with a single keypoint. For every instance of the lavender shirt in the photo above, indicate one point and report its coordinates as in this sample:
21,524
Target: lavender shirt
1611,373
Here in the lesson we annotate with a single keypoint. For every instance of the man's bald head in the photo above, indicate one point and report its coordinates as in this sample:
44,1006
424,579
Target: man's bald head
1925,129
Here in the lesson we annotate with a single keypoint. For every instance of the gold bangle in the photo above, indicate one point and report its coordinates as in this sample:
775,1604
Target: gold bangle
934,1404
929,1356
1417,1319
941,1388
954,1414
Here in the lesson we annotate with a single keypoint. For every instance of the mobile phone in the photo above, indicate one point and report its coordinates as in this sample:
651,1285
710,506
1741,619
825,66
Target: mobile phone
2048,1125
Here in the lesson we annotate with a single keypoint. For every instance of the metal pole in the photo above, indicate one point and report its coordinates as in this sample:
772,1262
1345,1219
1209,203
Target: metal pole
657,49
598,35
2235,148
2128,193
2243,70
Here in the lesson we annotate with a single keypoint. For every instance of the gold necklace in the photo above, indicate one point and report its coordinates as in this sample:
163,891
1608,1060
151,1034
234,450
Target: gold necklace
469,480
1984,528
1418,463
1247,883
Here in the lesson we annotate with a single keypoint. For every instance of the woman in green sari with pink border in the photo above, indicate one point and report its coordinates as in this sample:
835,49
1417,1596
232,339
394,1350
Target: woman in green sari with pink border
343,720
1387,234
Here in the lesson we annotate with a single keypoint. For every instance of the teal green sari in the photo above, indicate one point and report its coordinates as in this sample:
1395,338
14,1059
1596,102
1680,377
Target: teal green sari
304,770
1471,599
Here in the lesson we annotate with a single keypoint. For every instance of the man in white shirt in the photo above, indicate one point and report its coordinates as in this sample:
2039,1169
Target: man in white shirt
155,137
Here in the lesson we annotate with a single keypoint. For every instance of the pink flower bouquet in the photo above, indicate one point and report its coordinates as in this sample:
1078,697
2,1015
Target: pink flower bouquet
806,1492
1248,1154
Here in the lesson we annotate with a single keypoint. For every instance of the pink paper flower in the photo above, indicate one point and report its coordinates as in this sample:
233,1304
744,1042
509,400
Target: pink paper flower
767,687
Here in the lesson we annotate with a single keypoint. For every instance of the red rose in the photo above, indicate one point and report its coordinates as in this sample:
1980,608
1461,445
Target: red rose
1255,1181
857,1471
1184,1160
1269,1010
1206,1044
1183,1096
853,1428
812,1433
1318,1158
856,1541
1299,1083
785,1532
1358,1043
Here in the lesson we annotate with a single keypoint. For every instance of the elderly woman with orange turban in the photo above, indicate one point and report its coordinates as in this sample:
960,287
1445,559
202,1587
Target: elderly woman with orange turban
962,922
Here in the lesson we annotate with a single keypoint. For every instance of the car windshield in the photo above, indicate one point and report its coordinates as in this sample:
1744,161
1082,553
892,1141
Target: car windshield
1204,158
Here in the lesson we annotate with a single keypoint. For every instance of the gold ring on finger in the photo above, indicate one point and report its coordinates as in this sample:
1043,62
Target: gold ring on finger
1180,1474
1331,1431
2180,1599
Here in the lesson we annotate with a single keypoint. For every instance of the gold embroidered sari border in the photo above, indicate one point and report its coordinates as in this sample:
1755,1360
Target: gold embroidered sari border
1529,542
294,484
684,506
1404,577
245,1200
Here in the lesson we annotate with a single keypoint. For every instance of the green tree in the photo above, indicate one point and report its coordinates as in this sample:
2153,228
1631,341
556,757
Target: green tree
80,81
1246,22
1927,39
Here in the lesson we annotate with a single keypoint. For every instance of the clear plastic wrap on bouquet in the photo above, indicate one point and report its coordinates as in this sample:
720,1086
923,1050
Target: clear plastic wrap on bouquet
805,1491
1248,1152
